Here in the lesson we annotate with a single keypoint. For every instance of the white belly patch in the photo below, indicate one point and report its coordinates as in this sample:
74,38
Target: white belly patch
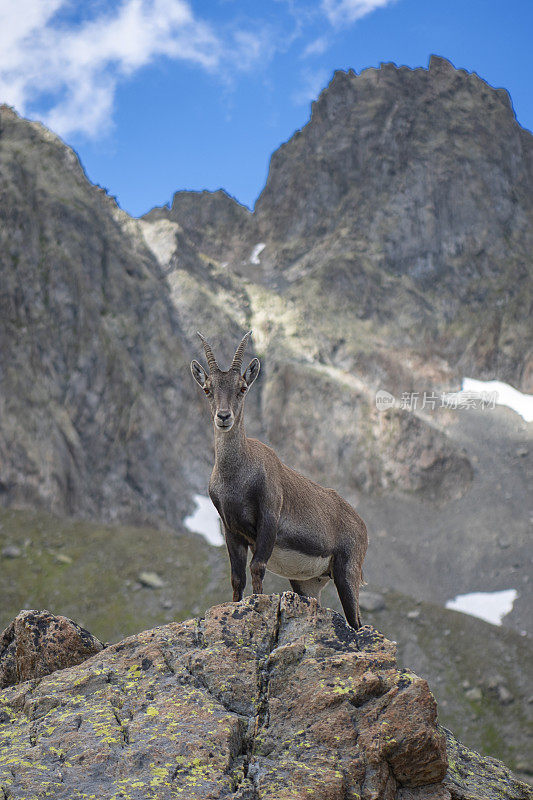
295,565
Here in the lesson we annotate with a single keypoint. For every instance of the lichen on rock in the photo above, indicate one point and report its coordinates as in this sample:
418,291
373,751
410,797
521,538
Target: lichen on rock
273,698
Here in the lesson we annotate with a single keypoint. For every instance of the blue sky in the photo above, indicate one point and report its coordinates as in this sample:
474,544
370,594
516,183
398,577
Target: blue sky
161,95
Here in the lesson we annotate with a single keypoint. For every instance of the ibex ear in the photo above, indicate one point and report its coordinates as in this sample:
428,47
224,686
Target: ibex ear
252,371
199,374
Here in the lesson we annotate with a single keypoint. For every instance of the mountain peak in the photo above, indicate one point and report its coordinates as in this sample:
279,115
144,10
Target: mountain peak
440,64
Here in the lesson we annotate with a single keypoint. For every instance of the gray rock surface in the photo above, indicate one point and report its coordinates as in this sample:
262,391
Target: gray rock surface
407,203
89,345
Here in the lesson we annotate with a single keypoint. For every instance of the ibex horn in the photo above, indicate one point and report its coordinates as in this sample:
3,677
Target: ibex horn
211,360
239,353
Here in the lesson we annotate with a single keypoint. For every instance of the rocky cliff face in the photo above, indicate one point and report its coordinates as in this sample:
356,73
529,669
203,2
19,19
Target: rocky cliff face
406,201
93,409
268,698
403,208
390,249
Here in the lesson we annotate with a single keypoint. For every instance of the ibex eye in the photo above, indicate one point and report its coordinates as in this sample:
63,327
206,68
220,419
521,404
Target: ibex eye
206,391
243,389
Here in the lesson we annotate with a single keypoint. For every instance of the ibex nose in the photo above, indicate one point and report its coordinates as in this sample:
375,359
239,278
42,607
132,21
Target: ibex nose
223,415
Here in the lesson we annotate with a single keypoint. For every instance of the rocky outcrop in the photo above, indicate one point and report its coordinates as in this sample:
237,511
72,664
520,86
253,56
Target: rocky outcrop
38,643
405,205
272,698
210,223
100,587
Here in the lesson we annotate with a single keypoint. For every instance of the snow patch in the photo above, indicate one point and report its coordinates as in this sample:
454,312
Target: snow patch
505,395
205,521
489,606
256,252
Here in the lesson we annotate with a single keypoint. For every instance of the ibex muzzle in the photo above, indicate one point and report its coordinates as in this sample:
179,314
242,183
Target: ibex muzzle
294,527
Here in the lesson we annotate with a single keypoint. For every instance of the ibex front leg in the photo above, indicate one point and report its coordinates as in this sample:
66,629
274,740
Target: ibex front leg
266,538
237,550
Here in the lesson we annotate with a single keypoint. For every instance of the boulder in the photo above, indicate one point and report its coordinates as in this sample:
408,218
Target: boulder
37,643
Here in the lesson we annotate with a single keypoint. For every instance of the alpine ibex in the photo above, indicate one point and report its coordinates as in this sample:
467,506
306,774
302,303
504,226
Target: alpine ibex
293,526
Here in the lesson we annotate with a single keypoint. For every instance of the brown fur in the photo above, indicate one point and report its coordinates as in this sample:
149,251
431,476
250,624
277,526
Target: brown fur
291,524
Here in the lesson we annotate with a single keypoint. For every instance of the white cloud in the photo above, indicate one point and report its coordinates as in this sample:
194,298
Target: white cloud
72,70
341,12
252,46
313,81
317,47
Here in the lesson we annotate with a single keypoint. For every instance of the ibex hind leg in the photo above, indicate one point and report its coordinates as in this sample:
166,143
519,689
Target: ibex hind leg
347,578
311,587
